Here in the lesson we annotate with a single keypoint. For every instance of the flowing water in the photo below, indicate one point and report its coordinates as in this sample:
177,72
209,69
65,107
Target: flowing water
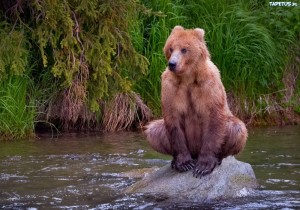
87,172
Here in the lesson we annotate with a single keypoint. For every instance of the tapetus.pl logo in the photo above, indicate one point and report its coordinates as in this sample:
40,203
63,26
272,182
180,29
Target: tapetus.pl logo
283,4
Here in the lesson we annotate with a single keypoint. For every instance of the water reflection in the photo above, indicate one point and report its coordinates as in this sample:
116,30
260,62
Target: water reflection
87,171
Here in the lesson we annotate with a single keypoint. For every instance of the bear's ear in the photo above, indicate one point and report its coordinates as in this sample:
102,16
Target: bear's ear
200,32
177,28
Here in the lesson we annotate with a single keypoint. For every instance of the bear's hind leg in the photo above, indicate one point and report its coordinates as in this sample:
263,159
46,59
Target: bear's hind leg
156,135
235,139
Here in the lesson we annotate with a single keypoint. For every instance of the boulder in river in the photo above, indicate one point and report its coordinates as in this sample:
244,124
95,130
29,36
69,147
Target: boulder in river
231,179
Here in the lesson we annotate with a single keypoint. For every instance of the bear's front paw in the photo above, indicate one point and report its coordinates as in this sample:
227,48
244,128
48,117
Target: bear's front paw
183,164
205,165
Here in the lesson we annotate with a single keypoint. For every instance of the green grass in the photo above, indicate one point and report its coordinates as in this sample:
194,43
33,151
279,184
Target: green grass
243,49
17,111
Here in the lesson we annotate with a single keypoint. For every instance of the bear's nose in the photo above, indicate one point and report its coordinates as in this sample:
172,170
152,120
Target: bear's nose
172,66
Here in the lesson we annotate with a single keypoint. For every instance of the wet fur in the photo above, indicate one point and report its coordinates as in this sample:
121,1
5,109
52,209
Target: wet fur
197,128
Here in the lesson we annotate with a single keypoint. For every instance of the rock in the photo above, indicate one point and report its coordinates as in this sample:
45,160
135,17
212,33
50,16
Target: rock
231,179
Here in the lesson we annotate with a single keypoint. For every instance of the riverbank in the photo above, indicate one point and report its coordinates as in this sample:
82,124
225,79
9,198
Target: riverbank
90,66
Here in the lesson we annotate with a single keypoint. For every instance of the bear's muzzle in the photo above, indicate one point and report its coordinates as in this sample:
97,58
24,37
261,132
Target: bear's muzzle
172,66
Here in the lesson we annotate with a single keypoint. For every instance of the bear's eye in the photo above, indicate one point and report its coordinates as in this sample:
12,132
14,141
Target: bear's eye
183,50
171,50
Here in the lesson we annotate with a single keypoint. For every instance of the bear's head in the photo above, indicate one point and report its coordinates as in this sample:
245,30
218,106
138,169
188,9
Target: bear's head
185,49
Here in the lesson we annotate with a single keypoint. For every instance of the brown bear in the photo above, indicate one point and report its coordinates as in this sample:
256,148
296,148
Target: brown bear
197,128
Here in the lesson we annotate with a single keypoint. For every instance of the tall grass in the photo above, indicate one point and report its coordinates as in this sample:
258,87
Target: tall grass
17,111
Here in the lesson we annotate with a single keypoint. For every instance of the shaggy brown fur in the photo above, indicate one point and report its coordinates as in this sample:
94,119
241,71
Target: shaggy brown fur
197,128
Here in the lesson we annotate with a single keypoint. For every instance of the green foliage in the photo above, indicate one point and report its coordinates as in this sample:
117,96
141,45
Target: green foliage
89,40
14,51
17,113
81,52
242,48
17,110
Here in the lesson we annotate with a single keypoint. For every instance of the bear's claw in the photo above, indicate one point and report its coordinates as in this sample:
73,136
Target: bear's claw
183,167
205,167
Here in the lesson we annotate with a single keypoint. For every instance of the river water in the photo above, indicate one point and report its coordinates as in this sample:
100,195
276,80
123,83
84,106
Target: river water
87,172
